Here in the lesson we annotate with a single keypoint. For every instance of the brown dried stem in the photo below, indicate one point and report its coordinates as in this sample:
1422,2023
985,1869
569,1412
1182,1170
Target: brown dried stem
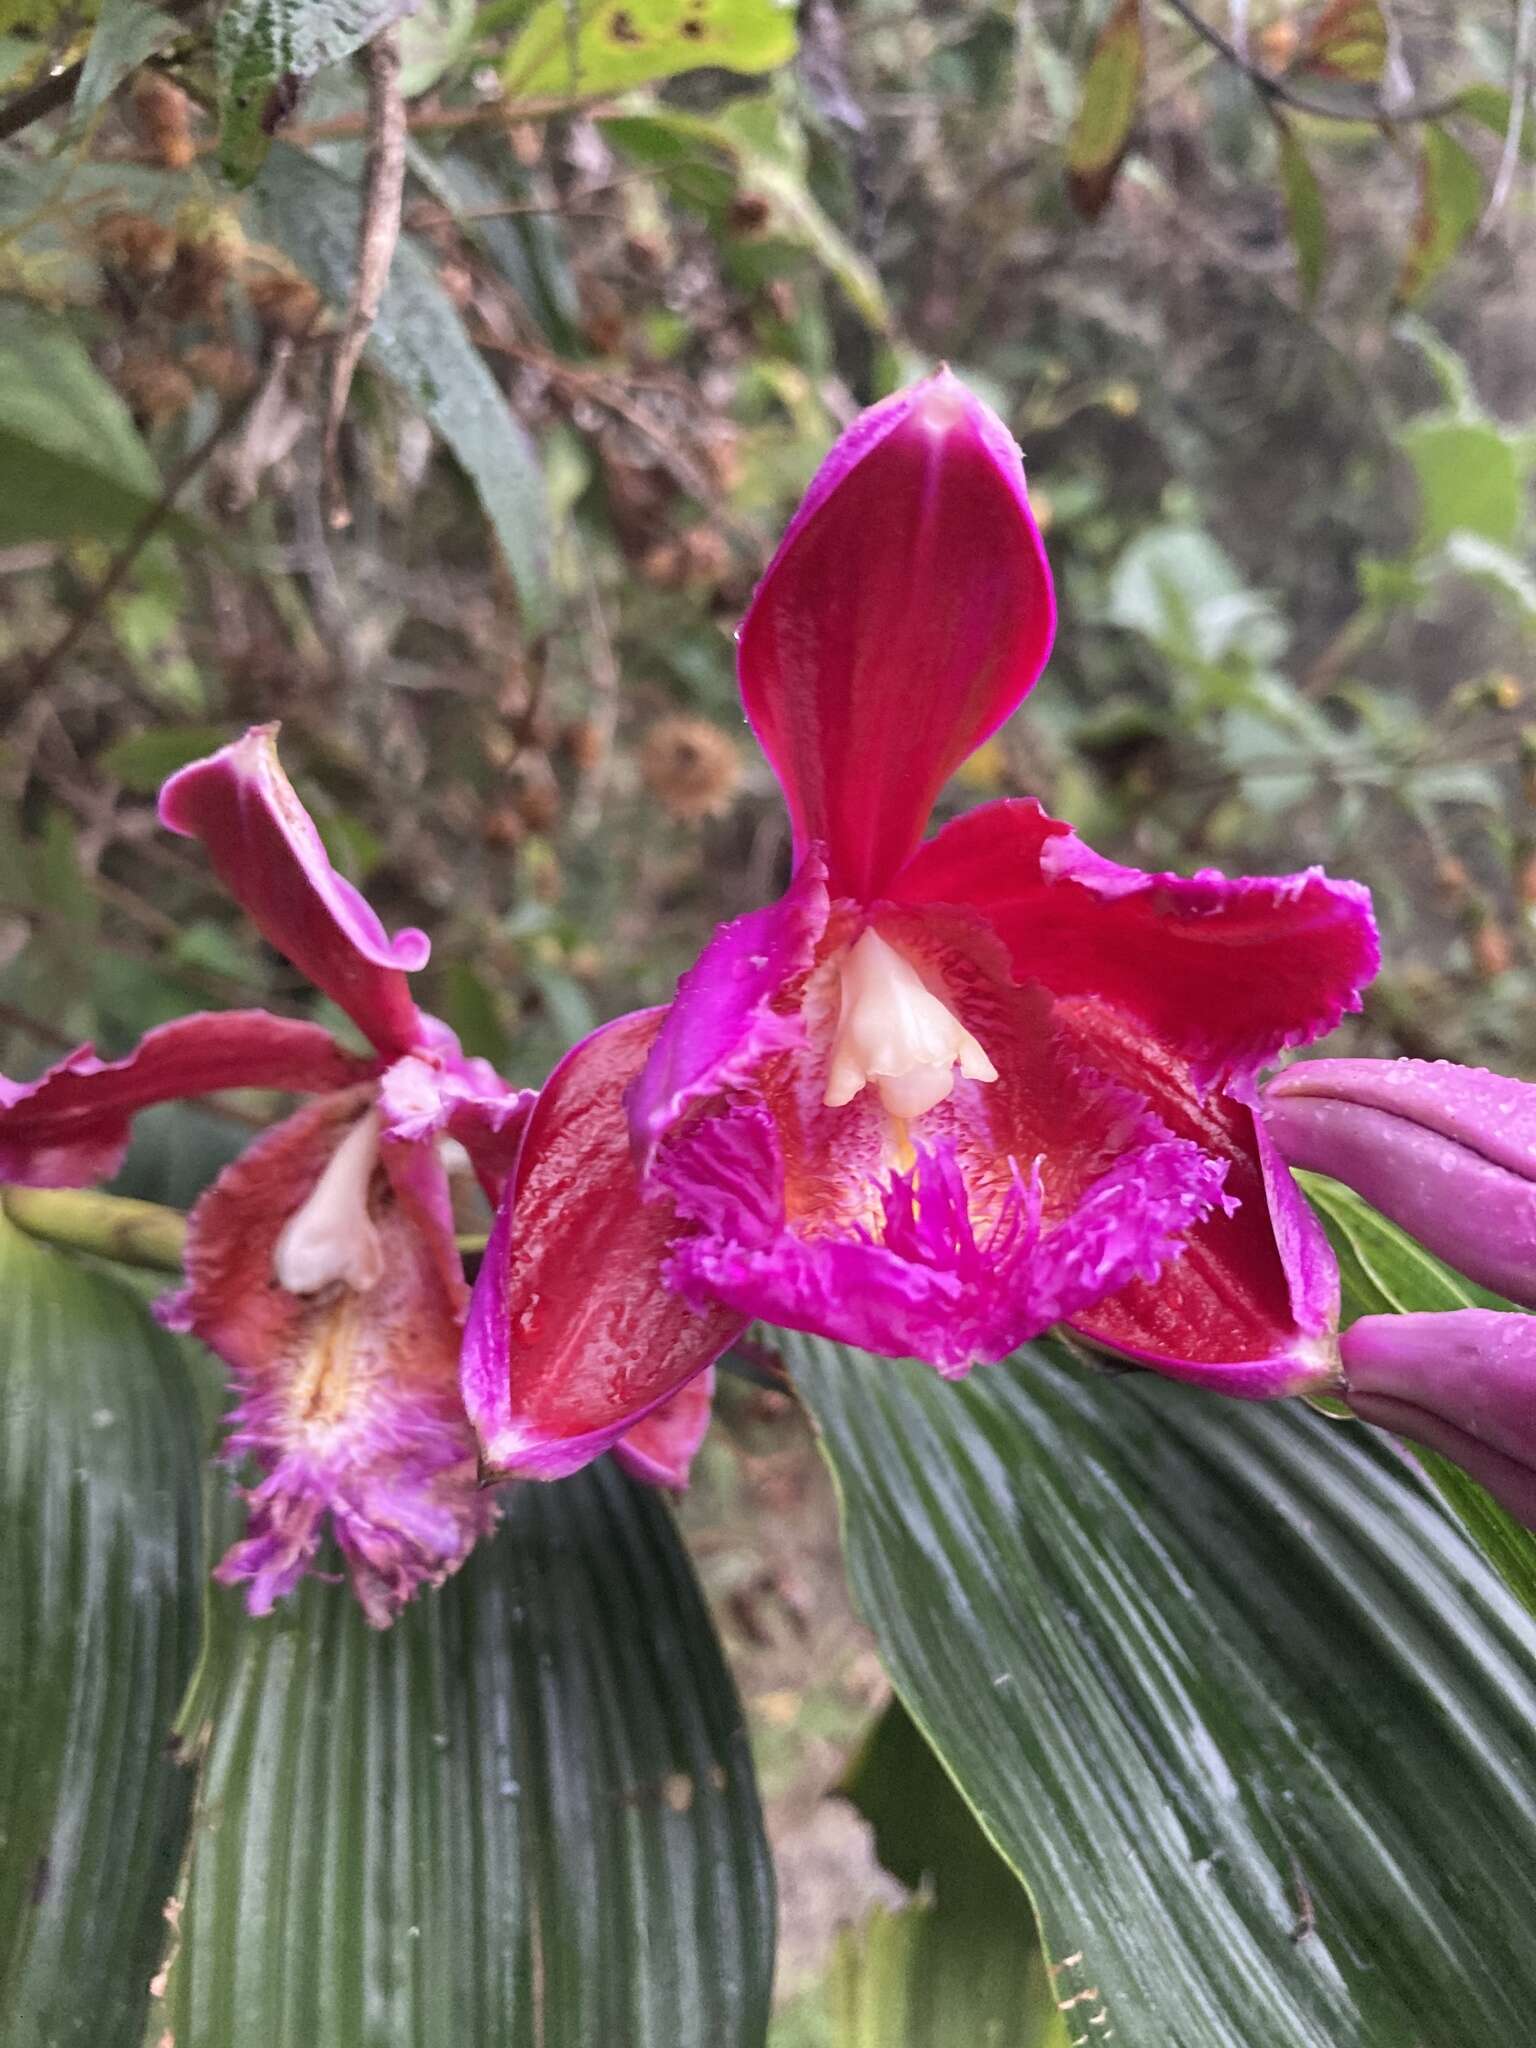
378,235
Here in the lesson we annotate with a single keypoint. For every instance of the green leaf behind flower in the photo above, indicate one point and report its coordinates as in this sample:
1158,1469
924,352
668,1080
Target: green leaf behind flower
1222,1682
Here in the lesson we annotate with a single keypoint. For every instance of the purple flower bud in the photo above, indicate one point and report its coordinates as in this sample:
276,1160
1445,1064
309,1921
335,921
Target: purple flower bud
1448,1152
1463,1383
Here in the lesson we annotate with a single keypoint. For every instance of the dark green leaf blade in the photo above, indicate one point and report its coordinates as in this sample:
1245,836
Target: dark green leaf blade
1450,200
100,1514
1304,212
1106,113
525,1814
67,434
419,341
1223,1683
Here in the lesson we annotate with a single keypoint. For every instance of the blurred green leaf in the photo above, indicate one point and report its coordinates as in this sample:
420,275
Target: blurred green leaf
712,161
1490,106
1385,1272
1471,480
100,1516
962,1962
1304,212
127,32
1499,569
141,761
1222,1681
265,48
522,1817
419,341
1346,39
606,46
528,250
76,464
470,1010
1450,201
1106,113
432,39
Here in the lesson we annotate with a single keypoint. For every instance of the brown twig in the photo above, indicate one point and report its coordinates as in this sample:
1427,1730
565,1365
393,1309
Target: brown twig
1279,90
378,235
420,121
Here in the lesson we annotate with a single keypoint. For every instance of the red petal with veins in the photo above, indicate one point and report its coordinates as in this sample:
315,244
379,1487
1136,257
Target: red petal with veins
906,614
1251,1305
71,1126
266,851
572,1338
1225,972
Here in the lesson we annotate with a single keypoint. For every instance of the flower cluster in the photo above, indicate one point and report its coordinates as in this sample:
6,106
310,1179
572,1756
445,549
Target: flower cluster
945,1092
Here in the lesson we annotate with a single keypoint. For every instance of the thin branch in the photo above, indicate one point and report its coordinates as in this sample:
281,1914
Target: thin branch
1521,67
1279,90
132,1233
378,235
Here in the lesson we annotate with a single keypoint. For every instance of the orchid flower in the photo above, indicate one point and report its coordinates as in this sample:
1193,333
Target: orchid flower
321,1265
942,1094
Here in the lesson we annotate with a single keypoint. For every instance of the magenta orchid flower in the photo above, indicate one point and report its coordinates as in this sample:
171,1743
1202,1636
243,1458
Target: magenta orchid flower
942,1094
322,1264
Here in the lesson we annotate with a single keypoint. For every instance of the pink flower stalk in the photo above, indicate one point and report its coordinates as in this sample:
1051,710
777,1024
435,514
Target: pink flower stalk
1448,1152
321,1265
942,1094
1462,1383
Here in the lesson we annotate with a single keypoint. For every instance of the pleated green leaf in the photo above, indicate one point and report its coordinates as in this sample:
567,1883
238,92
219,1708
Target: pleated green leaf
1223,1683
523,1815
99,1599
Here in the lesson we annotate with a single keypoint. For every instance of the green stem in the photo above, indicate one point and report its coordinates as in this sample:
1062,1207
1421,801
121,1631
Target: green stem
78,1219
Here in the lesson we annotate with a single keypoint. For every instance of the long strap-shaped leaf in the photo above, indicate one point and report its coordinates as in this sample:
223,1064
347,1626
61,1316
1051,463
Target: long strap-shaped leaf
1223,1683
523,1815
100,1564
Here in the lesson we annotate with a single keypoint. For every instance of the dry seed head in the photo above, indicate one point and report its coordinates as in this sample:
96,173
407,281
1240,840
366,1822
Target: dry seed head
226,371
691,767
283,303
163,115
142,247
155,388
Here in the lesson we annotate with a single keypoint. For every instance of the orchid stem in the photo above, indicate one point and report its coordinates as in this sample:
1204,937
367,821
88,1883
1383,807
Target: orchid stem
132,1233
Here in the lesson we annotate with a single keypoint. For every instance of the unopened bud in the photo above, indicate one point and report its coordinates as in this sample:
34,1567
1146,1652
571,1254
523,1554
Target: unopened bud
1462,1383
1447,1152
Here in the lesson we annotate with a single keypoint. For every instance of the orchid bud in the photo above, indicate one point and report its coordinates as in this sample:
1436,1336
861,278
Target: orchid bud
1447,1152
1462,1382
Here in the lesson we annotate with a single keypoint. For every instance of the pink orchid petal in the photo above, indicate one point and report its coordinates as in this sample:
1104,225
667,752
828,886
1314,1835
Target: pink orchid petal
906,614
267,853
421,1099
925,1282
72,1125
660,1449
1250,1308
572,1339
348,1401
1226,972
725,1022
